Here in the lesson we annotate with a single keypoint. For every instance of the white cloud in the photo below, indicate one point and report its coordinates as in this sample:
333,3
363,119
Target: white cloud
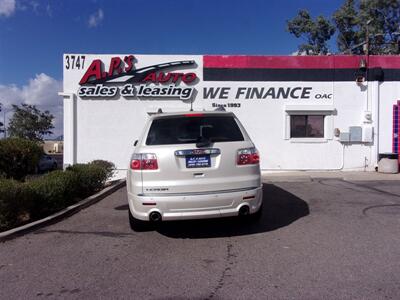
7,7
35,6
41,91
302,53
49,10
96,18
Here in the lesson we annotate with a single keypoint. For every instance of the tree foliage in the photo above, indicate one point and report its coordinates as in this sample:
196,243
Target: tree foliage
18,157
352,21
347,23
380,17
30,123
316,32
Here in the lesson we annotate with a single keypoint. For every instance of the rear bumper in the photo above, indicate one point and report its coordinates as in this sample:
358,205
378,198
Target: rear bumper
200,206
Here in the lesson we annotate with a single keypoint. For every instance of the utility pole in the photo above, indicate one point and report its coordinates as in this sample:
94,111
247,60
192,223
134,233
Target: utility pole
367,38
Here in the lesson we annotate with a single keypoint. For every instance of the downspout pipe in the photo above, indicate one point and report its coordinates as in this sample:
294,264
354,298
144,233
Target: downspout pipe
70,130
375,76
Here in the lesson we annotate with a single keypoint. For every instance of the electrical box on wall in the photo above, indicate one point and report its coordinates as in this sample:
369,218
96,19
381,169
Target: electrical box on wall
358,134
367,134
344,137
355,133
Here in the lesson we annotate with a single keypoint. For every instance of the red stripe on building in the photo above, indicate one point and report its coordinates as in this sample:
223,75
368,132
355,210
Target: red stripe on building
299,62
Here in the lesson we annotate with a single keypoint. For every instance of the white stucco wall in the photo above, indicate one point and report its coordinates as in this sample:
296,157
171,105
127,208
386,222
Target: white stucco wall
107,128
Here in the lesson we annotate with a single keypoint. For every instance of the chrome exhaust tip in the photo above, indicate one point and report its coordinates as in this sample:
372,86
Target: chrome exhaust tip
155,216
244,210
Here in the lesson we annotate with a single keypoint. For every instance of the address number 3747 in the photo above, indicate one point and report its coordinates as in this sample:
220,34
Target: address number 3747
75,62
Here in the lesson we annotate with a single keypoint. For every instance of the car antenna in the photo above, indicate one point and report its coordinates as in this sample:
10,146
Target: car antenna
220,108
191,105
159,111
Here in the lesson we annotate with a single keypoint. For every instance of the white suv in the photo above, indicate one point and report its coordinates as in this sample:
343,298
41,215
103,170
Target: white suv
193,165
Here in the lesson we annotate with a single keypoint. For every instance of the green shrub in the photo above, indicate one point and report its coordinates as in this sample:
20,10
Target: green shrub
91,178
52,192
12,203
18,157
108,166
41,196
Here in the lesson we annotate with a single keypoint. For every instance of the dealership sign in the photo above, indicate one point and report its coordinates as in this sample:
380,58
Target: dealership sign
120,76
150,81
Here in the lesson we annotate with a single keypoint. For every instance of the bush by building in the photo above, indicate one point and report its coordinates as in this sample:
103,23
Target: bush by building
22,202
52,192
106,165
91,177
13,204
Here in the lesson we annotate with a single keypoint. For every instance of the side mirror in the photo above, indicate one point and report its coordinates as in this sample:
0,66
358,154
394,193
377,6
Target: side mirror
135,143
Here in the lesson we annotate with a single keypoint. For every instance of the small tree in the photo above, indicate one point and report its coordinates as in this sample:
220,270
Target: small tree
30,123
316,32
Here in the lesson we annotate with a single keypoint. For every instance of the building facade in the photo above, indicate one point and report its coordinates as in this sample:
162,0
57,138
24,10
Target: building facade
302,112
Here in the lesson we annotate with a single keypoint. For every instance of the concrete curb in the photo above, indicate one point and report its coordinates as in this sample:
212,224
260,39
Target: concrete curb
69,211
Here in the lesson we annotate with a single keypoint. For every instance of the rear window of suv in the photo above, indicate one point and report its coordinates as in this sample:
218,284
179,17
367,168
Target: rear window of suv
190,129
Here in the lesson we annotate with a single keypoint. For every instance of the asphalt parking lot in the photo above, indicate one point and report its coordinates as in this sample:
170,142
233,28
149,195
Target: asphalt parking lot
318,239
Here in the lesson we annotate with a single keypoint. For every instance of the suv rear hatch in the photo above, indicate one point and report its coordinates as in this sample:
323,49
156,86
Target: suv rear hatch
197,153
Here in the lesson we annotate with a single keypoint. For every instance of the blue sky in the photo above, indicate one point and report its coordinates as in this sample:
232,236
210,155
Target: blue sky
35,33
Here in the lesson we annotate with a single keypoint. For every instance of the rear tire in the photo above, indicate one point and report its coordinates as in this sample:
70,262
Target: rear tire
138,225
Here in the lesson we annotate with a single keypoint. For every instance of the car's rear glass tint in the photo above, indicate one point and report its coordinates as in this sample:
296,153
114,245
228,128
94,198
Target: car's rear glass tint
184,130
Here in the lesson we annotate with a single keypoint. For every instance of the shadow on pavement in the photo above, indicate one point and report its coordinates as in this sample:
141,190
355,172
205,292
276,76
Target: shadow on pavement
281,208
122,207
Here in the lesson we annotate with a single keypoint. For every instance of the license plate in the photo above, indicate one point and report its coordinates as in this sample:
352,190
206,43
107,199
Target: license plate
198,161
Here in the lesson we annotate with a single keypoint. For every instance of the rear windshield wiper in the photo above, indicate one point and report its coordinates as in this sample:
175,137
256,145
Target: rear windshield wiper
203,142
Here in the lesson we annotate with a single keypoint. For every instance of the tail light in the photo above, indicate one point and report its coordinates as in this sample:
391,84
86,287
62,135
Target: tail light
248,156
144,161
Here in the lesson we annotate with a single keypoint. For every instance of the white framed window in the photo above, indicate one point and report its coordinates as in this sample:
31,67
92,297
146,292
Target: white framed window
309,123
307,126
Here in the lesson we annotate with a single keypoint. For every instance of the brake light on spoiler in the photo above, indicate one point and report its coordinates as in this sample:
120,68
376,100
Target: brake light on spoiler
194,115
248,156
144,161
